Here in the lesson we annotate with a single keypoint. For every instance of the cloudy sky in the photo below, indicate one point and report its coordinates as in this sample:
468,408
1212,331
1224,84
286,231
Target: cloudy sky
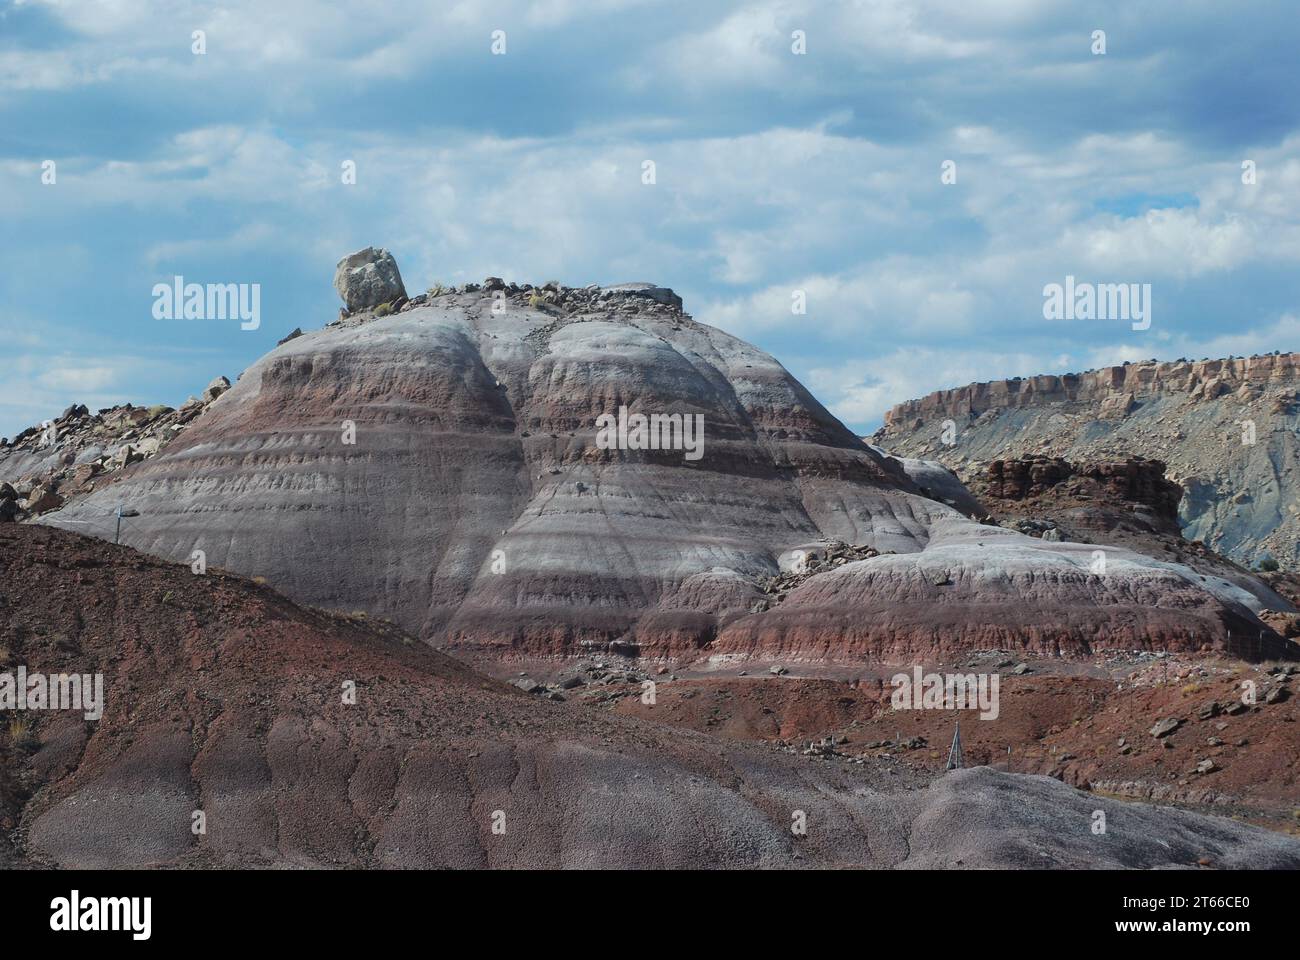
775,172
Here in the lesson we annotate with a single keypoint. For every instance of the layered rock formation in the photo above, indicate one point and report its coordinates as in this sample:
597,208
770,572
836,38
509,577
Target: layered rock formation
977,586
475,504
442,465
1116,387
1227,430
223,698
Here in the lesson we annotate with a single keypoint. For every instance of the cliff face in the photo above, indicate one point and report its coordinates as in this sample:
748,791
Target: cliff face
1226,429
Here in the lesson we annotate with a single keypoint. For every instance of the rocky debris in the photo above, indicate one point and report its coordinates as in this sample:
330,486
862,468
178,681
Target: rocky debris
1229,431
368,278
588,678
826,747
1286,624
649,291
1165,727
46,467
561,305
216,388
293,334
816,559
1118,406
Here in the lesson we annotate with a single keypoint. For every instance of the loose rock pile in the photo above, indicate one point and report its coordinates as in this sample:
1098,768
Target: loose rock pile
836,553
583,676
45,465
563,303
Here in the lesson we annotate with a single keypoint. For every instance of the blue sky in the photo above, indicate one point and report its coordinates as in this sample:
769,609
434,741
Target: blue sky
775,172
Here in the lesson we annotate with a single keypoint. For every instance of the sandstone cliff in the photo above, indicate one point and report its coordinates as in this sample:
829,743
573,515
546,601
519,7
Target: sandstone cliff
1227,430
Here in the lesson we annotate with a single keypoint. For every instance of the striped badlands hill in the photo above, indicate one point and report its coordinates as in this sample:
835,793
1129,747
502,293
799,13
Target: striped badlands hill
442,465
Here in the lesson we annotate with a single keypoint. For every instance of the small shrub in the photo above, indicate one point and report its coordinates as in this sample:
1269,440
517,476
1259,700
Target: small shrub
22,734
383,310
1268,565
437,290
535,300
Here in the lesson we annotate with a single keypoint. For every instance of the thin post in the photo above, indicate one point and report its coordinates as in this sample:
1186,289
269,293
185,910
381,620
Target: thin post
954,752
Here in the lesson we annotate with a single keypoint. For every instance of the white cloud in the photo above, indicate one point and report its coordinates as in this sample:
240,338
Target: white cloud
860,391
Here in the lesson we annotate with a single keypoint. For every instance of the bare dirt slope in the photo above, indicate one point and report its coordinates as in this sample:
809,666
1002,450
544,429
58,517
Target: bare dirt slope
223,697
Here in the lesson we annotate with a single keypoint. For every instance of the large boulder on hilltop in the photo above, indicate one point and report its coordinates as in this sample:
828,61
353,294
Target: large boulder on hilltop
368,278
